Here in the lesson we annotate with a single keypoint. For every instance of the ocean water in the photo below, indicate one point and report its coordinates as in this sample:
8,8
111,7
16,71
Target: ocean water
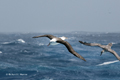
25,58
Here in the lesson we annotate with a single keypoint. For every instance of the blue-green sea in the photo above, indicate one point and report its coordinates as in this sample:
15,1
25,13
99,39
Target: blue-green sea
25,58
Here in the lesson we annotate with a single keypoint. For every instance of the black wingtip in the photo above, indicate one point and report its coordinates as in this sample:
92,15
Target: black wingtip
81,42
35,37
84,60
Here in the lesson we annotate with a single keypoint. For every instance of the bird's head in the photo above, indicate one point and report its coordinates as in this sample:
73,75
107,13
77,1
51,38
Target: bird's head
110,44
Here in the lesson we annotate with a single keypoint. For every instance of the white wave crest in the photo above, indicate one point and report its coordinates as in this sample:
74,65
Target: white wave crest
72,59
109,62
6,42
71,38
0,52
15,41
21,40
40,44
113,43
47,79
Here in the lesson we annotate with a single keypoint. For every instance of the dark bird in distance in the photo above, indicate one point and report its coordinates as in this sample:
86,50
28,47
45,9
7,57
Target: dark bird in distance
106,48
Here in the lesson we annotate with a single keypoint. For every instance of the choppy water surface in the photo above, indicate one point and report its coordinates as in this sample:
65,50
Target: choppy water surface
25,58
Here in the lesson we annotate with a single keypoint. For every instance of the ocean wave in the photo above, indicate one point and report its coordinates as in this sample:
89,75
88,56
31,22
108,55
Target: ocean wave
0,52
14,42
4,65
47,79
21,41
74,60
116,45
41,44
6,42
71,38
109,62
113,43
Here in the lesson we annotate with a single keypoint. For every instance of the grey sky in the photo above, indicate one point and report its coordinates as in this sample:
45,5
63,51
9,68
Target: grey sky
59,15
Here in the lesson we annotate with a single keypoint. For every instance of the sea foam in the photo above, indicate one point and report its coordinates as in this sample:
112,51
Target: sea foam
0,52
21,40
14,42
109,62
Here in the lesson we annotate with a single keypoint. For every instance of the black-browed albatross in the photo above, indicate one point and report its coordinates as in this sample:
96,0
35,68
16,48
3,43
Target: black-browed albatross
106,48
54,40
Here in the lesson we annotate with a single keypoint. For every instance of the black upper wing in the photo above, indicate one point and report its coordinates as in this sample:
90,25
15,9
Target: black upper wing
47,35
90,44
70,49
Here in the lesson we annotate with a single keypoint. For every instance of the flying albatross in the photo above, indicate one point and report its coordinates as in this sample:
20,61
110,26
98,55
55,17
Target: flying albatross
106,48
55,40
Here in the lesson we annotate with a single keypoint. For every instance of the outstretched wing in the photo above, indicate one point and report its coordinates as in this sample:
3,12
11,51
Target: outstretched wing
114,53
49,36
70,49
90,44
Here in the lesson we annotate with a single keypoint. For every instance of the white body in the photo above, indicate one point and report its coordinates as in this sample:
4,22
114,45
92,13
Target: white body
53,41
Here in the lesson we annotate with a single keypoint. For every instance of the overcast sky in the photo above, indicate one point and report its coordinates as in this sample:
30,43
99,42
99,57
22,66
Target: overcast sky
59,15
